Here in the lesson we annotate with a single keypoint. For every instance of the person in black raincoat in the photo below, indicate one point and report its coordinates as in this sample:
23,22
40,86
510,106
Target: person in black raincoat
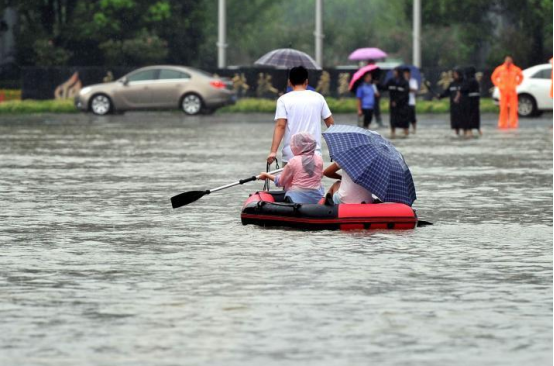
453,91
470,95
399,94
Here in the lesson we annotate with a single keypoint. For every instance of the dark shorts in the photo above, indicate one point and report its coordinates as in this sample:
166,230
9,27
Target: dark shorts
368,116
413,119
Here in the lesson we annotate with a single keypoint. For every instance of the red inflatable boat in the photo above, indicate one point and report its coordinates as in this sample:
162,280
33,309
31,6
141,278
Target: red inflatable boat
270,209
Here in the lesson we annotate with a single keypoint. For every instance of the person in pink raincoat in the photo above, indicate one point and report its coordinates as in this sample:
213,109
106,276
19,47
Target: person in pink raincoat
302,175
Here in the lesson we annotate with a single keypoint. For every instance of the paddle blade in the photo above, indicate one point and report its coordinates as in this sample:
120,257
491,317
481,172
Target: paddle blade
186,198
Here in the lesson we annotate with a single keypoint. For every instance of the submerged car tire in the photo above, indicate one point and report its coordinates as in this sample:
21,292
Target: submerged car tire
101,104
191,104
526,106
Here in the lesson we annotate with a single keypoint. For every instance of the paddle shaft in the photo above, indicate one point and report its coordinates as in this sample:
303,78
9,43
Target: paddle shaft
242,181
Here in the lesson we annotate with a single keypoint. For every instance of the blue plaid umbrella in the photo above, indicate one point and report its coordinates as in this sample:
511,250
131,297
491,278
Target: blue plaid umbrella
371,161
287,58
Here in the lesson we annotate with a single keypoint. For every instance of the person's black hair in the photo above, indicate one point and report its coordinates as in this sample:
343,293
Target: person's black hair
470,71
458,70
298,75
407,69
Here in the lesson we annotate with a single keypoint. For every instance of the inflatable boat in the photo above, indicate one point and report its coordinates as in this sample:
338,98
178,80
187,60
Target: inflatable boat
270,209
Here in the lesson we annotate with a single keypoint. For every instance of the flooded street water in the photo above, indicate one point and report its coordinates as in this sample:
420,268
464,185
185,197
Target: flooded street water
96,268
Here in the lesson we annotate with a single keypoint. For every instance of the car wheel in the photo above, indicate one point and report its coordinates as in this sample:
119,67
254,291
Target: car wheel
526,107
191,104
101,105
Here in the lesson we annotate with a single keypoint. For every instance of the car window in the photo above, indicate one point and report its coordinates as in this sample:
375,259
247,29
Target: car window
143,75
172,74
542,74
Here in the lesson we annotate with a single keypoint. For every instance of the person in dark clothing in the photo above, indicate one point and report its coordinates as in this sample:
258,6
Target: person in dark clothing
399,93
453,91
470,94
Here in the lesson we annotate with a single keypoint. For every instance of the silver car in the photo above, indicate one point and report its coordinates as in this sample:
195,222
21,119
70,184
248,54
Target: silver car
158,87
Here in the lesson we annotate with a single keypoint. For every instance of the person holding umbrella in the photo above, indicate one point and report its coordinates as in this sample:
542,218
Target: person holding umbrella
366,93
399,94
369,55
371,163
345,191
377,105
358,79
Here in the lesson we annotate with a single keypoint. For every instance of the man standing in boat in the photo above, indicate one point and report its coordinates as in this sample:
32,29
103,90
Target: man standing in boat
300,110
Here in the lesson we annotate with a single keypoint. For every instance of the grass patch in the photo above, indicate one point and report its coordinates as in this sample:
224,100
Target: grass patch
349,105
246,105
251,105
37,106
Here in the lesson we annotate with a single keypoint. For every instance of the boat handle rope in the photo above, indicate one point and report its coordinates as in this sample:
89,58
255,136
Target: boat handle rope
267,184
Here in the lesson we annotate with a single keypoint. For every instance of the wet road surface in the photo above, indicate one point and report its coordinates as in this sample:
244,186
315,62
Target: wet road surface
96,268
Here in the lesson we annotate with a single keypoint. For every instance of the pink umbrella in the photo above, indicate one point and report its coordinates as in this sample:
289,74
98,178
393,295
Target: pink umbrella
362,54
358,75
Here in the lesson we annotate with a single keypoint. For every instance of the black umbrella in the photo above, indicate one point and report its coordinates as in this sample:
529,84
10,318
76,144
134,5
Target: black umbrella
287,58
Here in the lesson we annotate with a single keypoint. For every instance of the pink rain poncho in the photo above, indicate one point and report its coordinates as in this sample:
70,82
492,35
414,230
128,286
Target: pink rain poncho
302,175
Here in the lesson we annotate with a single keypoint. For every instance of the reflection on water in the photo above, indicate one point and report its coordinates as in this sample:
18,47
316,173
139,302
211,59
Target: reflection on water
96,268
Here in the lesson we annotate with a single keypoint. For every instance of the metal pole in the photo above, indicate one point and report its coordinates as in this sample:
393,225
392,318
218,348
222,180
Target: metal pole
222,35
417,33
319,32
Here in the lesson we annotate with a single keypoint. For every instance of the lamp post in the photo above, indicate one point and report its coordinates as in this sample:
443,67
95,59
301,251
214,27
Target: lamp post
222,35
319,32
417,34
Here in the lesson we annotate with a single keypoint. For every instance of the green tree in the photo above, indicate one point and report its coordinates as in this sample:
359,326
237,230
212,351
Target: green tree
484,31
524,31
142,50
138,32
92,32
49,55
42,29
264,25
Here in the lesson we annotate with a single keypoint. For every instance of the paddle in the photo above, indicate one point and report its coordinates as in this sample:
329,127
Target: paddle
186,198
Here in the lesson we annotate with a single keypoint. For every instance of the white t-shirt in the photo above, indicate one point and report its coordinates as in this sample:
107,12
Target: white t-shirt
413,85
303,111
350,192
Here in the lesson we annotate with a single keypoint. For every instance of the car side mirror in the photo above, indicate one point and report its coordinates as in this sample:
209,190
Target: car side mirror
124,81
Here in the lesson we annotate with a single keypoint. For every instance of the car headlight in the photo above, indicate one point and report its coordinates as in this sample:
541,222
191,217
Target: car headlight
85,90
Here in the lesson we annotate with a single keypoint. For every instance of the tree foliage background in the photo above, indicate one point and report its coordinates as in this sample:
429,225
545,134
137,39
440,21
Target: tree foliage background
141,32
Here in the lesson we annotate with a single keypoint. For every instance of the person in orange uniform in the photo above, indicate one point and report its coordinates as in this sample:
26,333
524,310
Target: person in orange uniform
506,78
